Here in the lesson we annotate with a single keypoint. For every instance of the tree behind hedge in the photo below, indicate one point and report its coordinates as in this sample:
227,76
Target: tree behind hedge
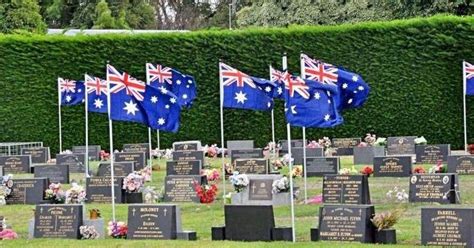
20,16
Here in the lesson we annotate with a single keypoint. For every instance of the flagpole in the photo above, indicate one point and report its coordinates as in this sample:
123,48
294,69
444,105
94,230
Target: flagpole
464,103
273,125
290,165
158,139
111,145
304,143
59,118
150,162
86,97
221,88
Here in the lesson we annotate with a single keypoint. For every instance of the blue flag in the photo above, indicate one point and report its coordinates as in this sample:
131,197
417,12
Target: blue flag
278,78
72,92
243,91
96,94
311,104
181,85
162,109
469,77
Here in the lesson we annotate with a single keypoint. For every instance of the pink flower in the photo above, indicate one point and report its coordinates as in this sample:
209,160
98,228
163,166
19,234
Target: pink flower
8,234
316,199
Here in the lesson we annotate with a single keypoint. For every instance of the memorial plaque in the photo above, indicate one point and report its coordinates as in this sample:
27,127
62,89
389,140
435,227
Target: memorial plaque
320,166
249,222
189,155
345,146
260,189
15,164
181,188
461,164
141,147
440,188
193,145
99,191
297,154
58,221
393,166
55,173
346,223
39,155
183,167
75,161
245,153
152,221
94,151
28,191
430,154
348,189
401,145
447,227
137,157
251,166
294,144
121,169
240,144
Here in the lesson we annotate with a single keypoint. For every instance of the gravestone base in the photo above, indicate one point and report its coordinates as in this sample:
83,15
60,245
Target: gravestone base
282,234
186,235
218,233
282,198
365,155
386,236
31,228
98,224
314,234
136,197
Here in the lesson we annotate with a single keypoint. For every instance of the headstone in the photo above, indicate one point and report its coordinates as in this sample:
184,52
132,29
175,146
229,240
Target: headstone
248,223
392,166
346,223
189,155
15,164
259,192
58,221
260,189
430,154
94,151
193,145
39,155
28,191
137,157
183,167
320,166
297,154
346,189
141,147
121,169
251,166
440,188
98,190
239,144
461,164
447,227
345,146
76,162
365,155
181,188
401,145
245,153
295,143
153,221
55,173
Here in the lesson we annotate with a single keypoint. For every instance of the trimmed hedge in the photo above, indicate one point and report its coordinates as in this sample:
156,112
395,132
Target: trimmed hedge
413,67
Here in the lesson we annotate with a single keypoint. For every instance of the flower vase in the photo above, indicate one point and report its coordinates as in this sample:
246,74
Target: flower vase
386,236
134,197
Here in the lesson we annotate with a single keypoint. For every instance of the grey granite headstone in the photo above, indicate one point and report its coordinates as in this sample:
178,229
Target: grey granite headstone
146,221
28,191
98,190
39,155
251,166
55,173
76,162
440,187
138,158
183,167
259,192
94,151
58,221
181,188
15,164
461,164
121,169
431,154
239,144
320,166
392,166
98,224
345,146
189,155
365,155
346,189
245,153
140,147
297,154
193,145
295,143
403,145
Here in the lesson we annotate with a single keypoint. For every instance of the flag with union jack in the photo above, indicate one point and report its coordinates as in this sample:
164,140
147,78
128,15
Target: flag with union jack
180,84
243,91
71,92
96,94
469,77
278,78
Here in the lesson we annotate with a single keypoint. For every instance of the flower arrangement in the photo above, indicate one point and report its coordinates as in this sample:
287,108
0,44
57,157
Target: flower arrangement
281,185
297,171
88,232
325,142
286,159
150,195
313,144
270,149
317,199
386,220
239,181
145,173
117,230
211,151
367,170
277,164
55,194
438,168
206,193
133,182
419,170
6,184
228,169
8,234
104,156
211,174
421,141
399,195
345,171
372,140
75,194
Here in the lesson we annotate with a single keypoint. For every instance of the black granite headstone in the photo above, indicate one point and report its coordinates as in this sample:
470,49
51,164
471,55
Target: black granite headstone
346,223
440,188
181,188
430,154
58,221
347,189
461,164
55,173
94,151
98,190
320,166
401,145
28,191
297,154
121,169
75,161
251,166
189,155
245,153
295,143
249,222
187,146
345,146
447,227
39,155
137,157
260,189
140,147
393,166
183,167
152,221
15,164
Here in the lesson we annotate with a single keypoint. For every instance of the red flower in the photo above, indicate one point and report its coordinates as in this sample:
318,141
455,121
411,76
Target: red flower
419,170
205,195
367,170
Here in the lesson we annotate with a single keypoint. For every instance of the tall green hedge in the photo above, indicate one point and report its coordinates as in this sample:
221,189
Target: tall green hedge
412,66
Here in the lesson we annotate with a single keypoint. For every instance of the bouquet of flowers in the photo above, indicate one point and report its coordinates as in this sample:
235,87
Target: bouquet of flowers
206,193
419,170
239,181
88,232
8,234
313,144
421,141
286,159
211,151
133,182
150,195
145,173
104,156
6,184
55,194
297,171
211,174
345,171
117,230
399,195
269,149
367,170
75,194
228,169
277,164
372,140
281,185
438,168
325,142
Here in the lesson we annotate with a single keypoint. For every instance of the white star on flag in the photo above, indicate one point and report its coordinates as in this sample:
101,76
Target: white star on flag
329,93
317,96
269,104
131,107
190,81
187,86
344,85
163,90
178,82
173,100
68,98
293,110
154,99
355,78
98,103
349,101
280,90
167,106
185,96
361,88
268,89
240,97
329,101
79,90
161,121
327,117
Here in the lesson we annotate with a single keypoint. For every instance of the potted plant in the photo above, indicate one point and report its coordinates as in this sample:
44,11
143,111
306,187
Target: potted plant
383,223
133,185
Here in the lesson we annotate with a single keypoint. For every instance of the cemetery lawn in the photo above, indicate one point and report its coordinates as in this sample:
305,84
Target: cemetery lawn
201,217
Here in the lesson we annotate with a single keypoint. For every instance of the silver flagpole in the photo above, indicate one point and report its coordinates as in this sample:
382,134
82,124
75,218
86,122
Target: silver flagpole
59,118
111,145
221,87
464,103
290,165
150,162
273,123
86,97
304,142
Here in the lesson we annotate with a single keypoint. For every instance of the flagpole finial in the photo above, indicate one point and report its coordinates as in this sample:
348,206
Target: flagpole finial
284,53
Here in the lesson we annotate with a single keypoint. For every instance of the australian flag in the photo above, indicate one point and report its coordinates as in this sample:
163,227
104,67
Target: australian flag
353,89
278,78
469,77
72,92
162,108
243,91
96,94
311,104
181,85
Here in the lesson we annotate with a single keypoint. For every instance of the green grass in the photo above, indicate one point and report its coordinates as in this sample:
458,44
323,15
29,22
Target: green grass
201,218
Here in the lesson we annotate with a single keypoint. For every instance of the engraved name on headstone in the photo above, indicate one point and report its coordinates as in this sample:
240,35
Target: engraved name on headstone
75,161
94,151
245,153
140,147
152,221
181,188
251,166
447,227
39,155
345,146
348,189
121,169
28,191
461,164
441,188
320,166
55,173
15,164
193,145
392,166
99,191
183,167
431,154
401,145
137,157
58,221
